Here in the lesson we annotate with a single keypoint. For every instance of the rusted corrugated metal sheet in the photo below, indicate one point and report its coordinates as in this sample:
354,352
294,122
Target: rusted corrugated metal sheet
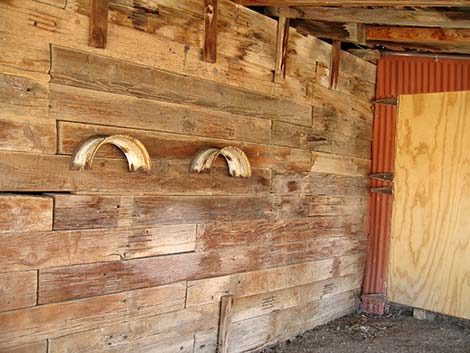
399,75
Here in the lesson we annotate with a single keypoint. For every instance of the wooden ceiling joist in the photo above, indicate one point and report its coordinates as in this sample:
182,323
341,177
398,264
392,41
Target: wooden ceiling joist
346,3
382,16
345,32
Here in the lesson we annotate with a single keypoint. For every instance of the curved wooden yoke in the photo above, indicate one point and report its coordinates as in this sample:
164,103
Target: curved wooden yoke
137,156
237,161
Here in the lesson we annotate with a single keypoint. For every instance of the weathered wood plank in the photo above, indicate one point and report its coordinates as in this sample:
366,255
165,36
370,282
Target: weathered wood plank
156,333
347,84
18,290
66,283
339,205
115,76
344,106
321,248
206,341
225,323
23,213
345,32
419,35
24,125
300,206
89,106
265,330
350,264
244,284
178,147
87,211
52,173
261,304
222,235
337,164
55,320
210,31
181,344
394,17
39,250
38,347
329,134
320,184
98,23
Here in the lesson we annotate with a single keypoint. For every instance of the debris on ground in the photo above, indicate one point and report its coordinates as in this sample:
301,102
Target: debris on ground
397,332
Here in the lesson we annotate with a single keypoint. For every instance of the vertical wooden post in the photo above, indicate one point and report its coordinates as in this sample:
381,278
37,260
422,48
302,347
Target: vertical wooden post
225,322
281,48
334,63
210,31
98,23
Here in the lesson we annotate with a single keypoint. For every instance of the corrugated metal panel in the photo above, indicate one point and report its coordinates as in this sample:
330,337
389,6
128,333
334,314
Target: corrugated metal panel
399,75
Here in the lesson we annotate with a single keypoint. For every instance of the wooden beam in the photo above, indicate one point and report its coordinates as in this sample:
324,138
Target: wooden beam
460,49
345,32
345,3
281,49
226,304
418,35
383,16
98,23
334,64
369,55
210,31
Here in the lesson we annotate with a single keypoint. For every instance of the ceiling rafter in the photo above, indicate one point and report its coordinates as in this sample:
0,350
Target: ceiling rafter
345,3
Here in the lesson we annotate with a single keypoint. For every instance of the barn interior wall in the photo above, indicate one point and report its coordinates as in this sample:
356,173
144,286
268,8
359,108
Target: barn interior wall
109,261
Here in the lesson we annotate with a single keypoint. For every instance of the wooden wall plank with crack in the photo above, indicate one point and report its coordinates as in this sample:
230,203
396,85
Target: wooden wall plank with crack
101,211
39,250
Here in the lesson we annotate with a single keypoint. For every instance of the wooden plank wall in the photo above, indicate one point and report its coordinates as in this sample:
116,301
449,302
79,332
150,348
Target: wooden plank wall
108,261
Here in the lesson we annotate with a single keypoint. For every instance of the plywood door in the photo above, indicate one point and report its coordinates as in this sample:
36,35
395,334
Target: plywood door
430,243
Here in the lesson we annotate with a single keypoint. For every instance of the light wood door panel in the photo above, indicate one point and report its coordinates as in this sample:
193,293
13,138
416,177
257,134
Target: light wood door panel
430,242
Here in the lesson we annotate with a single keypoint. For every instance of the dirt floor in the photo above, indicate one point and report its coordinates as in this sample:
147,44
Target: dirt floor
396,333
